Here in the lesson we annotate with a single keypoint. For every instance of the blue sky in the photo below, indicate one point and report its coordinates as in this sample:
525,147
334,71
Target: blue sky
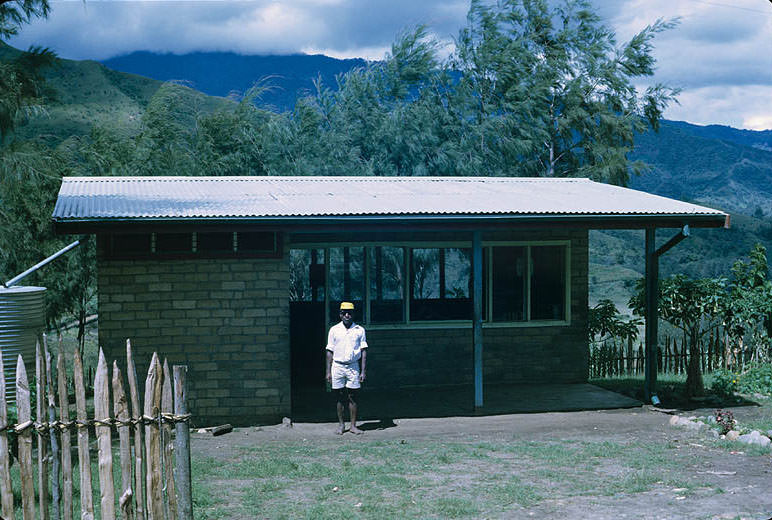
720,55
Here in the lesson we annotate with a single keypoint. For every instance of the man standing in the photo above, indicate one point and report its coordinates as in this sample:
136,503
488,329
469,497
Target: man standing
346,348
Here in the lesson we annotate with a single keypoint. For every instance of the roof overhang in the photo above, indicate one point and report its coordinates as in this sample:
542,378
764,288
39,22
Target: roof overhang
137,204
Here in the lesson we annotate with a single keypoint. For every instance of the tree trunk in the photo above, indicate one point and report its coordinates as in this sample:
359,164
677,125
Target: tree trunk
694,384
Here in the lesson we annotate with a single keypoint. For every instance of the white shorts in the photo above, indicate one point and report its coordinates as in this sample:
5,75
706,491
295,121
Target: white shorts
345,375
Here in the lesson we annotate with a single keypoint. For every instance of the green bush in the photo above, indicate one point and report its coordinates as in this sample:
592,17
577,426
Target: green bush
756,379
724,382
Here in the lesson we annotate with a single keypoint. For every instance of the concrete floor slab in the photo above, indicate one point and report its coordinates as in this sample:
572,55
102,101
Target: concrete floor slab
317,405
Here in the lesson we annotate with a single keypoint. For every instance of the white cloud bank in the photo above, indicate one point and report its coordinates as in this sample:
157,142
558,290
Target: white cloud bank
721,53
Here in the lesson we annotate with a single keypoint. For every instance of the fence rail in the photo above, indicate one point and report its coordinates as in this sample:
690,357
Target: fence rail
148,490
613,358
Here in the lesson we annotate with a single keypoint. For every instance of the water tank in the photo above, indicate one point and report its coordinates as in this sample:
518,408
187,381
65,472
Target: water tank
22,320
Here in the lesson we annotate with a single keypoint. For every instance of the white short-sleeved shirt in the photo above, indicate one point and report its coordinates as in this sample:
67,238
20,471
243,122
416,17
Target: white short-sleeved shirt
346,344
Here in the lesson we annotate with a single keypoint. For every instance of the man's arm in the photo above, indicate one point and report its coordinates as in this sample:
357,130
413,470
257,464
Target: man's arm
364,364
328,372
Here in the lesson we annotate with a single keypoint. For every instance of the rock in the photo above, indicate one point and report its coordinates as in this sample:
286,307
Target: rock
674,420
694,425
286,422
712,433
710,420
754,438
732,435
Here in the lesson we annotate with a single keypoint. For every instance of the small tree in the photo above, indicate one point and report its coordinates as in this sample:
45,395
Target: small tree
749,309
694,306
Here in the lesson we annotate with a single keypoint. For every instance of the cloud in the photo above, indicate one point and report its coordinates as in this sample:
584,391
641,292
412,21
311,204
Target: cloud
744,106
720,54
344,28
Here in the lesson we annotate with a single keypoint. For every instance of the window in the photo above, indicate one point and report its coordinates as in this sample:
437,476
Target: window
548,282
307,275
508,283
387,284
393,284
440,284
347,279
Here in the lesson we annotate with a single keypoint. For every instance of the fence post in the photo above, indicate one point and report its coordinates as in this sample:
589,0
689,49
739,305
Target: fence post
84,460
53,434
167,409
104,438
64,417
182,446
40,416
121,412
25,441
6,491
136,414
155,508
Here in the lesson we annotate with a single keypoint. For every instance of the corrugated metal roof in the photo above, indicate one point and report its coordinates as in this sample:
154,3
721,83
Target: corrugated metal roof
184,198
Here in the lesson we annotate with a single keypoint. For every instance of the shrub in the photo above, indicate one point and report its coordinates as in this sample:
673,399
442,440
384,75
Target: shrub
756,379
724,382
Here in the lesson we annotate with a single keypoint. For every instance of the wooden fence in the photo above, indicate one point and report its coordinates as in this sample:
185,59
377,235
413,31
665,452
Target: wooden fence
616,358
149,488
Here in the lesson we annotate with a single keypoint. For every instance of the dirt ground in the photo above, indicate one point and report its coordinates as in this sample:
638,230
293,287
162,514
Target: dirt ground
744,477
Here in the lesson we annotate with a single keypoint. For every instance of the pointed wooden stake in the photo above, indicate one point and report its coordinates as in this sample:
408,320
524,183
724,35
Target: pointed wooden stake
5,457
84,460
121,409
139,453
25,441
155,508
104,438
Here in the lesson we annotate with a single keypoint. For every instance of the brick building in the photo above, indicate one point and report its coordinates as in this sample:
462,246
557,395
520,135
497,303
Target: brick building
239,277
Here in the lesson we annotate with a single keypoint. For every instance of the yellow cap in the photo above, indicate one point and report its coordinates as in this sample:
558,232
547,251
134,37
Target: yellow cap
346,306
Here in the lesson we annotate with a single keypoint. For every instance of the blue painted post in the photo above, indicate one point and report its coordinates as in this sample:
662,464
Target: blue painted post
477,318
652,315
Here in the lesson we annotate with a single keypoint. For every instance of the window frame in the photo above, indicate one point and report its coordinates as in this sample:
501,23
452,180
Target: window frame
488,282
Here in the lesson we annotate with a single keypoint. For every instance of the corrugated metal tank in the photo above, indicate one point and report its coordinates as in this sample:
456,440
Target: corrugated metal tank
22,320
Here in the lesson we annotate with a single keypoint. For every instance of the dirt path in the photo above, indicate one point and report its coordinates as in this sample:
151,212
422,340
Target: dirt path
730,481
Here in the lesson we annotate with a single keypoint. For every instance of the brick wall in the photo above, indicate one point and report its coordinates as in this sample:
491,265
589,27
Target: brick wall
226,319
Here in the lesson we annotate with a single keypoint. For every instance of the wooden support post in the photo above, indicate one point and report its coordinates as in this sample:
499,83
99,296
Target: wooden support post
477,317
182,446
652,314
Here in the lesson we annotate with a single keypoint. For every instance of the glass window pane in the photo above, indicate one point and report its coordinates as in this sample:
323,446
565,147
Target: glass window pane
387,300
508,284
347,280
306,275
440,284
548,283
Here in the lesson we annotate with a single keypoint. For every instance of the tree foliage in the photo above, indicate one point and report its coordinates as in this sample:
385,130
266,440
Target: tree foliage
532,88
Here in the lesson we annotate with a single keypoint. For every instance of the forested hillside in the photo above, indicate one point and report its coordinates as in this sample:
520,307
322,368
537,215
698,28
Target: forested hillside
412,114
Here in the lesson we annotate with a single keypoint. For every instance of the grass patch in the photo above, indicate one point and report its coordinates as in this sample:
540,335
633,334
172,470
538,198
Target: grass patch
436,480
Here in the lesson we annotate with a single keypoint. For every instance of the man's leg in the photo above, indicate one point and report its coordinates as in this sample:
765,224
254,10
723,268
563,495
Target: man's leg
340,393
352,409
